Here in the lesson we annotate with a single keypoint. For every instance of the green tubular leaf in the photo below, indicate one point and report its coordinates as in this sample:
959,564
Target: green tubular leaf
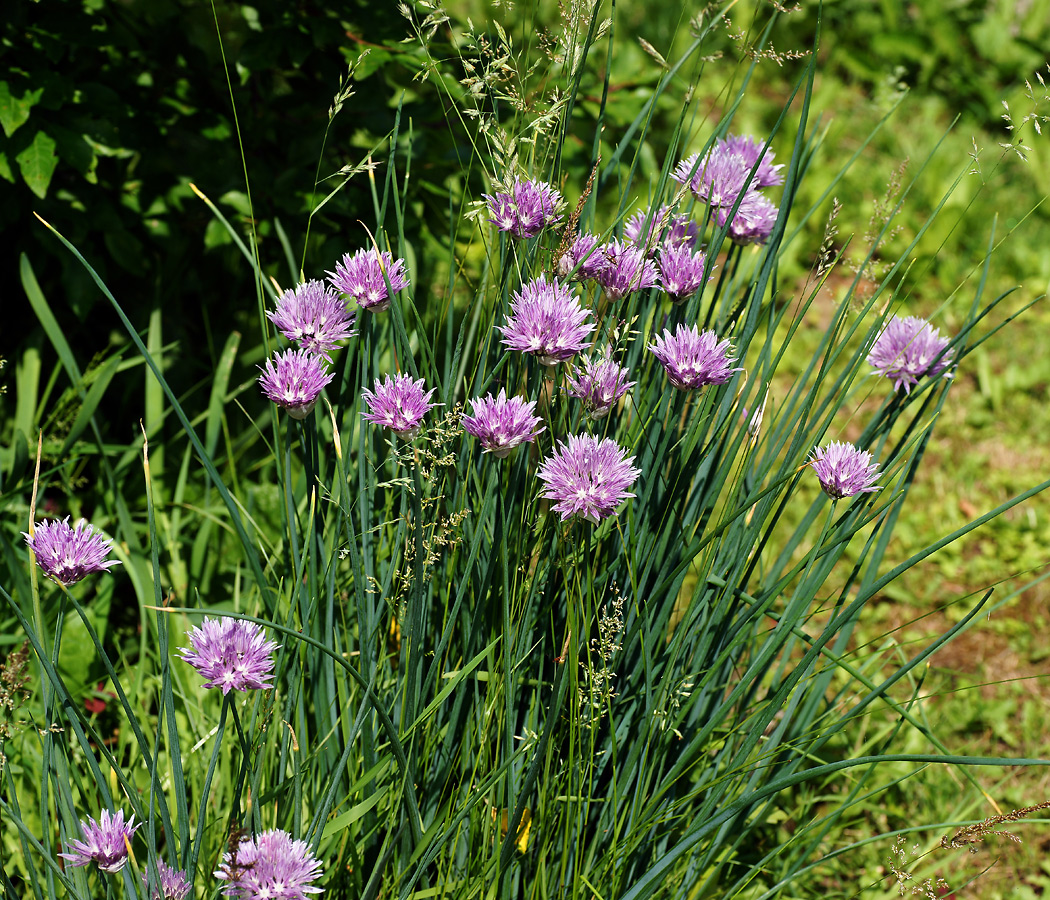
345,820
388,726
457,677
30,840
99,386
48,321
234,512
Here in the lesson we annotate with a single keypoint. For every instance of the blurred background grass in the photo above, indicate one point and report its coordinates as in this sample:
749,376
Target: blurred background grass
110,111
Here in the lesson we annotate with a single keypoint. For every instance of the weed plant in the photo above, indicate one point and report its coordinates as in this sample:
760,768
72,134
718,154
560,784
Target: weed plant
581,646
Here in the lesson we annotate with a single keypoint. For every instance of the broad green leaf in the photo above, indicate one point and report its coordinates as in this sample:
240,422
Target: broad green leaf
17,455
127,250
238,200
5,168
15,110
38,162
215,235
78,657
75,151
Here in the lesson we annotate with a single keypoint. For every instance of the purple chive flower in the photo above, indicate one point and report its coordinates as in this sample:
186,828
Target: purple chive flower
584,257
588,477
599,384
105,842
908,348
399,403
754,220
682,272
174,883
526,209
626,269
312,316
270,866
547,321
67,554
688,169
694,358
665,230
749,149
501,423
720,175
294,380
361,277
717,178
844,470
231,654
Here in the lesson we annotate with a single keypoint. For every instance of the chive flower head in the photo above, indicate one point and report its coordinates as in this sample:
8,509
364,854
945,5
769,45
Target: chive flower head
294,380
844,470
526,209
364,277
399,403
105,842
66,554
502,423
231,654
174,883
626,269
270,866
313,316
588,477
682,272
664,230
583,260
599,383
907,349
547,321
694,358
